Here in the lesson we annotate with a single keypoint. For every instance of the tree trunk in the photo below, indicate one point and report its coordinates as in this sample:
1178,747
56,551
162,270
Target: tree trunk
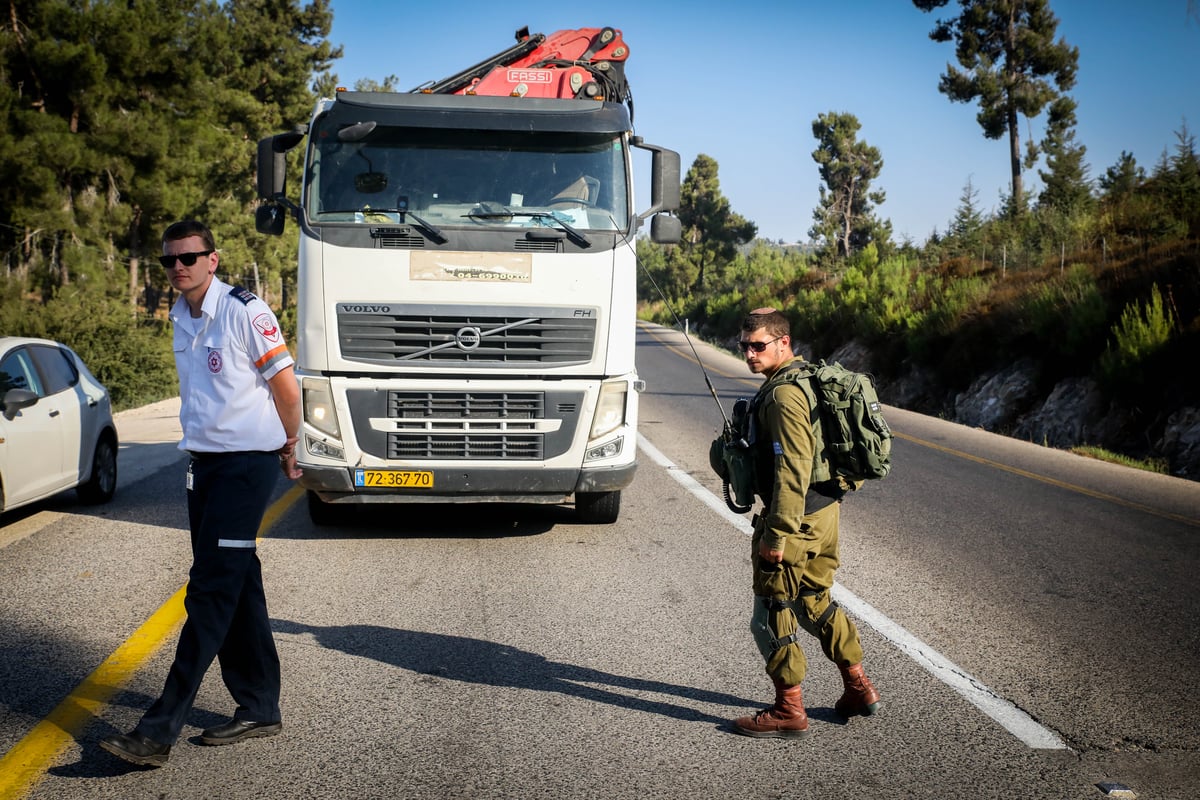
135,247
1014,131
848,217
1014,152
698,288
64,274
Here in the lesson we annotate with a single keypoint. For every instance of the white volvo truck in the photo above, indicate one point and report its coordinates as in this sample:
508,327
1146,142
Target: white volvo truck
466,282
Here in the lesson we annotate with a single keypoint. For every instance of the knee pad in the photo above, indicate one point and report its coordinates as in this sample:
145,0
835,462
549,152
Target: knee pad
761,625
814,616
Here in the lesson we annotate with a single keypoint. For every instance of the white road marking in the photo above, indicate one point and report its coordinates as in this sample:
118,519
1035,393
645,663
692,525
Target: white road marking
1011,718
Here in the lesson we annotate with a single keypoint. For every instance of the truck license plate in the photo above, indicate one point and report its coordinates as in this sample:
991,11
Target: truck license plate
393,478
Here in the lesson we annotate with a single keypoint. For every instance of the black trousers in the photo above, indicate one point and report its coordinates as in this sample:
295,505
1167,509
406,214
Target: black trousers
226,605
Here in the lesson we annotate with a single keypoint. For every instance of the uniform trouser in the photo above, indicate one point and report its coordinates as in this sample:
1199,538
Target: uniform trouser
810,559
226,606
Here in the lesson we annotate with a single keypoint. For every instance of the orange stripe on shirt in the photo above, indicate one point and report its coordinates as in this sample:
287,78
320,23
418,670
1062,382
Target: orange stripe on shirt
269,355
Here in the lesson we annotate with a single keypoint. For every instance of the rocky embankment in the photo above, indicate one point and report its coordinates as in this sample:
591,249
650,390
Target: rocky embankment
1074,413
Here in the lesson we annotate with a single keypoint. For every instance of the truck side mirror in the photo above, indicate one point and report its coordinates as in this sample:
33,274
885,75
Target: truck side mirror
665,229
269,218
664,178
272,163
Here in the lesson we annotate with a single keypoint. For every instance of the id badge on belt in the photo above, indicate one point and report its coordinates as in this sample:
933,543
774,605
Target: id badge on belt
189,474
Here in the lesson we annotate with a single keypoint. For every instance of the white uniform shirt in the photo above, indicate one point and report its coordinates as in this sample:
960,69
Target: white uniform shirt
224,361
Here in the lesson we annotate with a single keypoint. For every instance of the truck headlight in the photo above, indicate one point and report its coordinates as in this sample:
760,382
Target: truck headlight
610,409
318,406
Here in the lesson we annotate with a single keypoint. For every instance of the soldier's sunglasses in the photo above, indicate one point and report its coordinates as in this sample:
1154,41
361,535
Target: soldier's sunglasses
757,347
188,259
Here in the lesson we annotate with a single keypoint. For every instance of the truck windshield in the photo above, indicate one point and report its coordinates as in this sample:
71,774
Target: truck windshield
467,178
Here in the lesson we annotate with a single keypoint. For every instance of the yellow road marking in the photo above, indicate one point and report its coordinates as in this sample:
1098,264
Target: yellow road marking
978,459
23,765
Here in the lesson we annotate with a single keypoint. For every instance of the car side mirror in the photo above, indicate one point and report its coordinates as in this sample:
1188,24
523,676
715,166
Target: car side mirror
17,399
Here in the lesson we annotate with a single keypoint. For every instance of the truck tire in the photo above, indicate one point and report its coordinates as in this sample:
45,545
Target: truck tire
99,488
320,512
598,508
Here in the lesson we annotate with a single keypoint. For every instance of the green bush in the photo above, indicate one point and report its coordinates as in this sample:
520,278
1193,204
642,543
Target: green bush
1067,314
1142,331
131,356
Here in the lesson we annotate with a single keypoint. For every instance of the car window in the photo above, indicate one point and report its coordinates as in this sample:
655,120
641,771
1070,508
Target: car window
56,366
17,372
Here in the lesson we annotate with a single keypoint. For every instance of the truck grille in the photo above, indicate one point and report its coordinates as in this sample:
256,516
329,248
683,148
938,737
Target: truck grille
407,424
493,413
473,446
541,336
464,405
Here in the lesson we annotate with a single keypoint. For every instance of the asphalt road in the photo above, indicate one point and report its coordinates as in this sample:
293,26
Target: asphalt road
1028,616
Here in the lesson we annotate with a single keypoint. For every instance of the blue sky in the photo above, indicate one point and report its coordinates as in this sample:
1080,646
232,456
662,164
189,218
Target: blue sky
742,82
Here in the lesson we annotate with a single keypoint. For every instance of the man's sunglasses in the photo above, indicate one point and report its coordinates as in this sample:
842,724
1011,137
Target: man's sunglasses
757,347
188,259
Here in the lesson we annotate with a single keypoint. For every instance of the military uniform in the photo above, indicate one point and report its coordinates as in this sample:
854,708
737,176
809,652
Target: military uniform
232,431
800,518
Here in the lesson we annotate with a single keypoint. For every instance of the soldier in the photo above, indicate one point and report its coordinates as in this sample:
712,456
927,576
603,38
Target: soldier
240,414
794,552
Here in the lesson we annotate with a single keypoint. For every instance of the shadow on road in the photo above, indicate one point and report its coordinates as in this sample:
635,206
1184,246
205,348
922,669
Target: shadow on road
479,661
429,521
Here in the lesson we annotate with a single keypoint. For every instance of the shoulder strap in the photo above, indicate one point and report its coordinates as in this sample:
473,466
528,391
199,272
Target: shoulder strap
802,374
242,294
798,373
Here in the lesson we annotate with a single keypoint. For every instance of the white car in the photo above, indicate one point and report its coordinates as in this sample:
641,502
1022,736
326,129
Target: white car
56,425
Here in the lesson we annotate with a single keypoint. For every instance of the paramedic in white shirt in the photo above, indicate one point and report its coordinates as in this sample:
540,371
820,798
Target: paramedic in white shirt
240,414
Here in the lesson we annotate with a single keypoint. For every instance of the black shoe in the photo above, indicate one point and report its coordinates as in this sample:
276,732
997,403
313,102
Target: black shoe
236,730
137,749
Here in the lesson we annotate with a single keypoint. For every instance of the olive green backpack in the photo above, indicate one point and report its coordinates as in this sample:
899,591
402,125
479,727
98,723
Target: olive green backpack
855,440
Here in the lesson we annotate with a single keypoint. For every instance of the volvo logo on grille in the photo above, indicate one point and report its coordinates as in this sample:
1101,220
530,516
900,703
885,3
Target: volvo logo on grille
468,338
358,308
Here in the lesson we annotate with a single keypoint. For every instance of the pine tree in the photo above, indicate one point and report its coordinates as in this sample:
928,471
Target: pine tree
968,219
117,118
1122,179
1180,182
1066,184
845,220
712,231
1011,65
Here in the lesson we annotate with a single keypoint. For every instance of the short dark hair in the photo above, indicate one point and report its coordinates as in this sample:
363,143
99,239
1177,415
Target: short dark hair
774,321
189,227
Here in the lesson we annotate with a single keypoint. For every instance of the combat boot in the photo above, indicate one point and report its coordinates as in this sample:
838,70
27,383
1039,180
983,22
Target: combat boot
860,696
784,720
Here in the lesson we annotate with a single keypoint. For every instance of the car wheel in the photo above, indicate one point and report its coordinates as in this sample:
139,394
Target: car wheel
102,484
598,508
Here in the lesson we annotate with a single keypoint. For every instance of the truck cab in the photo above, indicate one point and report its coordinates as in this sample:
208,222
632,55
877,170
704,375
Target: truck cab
466,290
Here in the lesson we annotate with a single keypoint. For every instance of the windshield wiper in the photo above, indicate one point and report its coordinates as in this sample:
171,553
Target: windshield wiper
576,235
429,229
434,233
497,211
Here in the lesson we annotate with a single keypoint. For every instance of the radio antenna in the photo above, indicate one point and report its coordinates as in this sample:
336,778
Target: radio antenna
688,338
727,431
